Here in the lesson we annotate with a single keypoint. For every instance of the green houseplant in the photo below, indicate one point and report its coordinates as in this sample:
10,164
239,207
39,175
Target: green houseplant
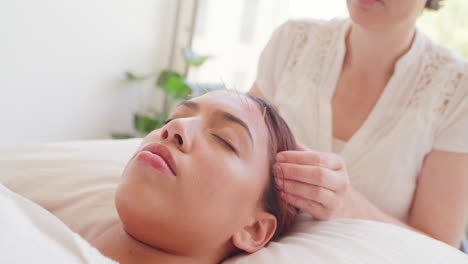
175,88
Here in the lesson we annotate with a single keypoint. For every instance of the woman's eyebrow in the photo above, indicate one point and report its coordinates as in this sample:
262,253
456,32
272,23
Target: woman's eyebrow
234,119
192,105
225,116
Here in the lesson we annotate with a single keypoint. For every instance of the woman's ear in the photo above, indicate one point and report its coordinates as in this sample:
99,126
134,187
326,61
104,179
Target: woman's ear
256,235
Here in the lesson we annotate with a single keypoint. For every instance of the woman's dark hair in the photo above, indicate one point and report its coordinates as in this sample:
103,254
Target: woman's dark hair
281,139
433,4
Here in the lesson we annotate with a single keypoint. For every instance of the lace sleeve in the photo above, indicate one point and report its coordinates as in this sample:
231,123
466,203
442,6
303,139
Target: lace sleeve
452,135
273,59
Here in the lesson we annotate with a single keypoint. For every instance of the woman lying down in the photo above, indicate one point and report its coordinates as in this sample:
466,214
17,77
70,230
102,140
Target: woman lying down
201,188
198,190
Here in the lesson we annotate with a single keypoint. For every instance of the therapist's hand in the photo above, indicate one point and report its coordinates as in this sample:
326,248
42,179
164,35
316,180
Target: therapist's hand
315,182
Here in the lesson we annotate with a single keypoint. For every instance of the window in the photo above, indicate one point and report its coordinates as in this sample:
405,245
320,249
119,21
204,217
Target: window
448,26
235,32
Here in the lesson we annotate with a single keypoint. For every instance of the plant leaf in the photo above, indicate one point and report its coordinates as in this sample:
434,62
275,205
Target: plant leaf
173,84
145,124
164,77
193,59
177,88
122,136
136,78
161,117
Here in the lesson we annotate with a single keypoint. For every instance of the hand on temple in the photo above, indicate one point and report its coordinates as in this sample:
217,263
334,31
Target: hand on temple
315,182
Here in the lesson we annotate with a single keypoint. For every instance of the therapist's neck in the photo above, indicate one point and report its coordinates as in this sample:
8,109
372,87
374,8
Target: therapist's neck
121,247
369,49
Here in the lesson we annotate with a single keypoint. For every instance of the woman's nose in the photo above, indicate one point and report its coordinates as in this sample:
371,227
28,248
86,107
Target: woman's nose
177,133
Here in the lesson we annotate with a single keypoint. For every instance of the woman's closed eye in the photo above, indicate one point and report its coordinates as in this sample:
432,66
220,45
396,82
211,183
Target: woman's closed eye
225,143
220,139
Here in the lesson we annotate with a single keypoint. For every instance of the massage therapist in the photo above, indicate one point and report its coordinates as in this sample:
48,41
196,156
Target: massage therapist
385,111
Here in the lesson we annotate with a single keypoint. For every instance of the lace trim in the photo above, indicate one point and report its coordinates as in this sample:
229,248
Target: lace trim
318,36
439,79
448,93
431,65
301,32
436,60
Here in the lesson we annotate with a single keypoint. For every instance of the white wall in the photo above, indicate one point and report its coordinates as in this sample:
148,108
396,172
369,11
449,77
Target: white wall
62,65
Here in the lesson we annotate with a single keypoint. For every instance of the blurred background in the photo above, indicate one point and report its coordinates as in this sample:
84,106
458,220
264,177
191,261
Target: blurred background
74,70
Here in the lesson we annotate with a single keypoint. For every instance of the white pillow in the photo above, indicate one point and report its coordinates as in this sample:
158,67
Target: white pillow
31,234
73,180
76,182
353,241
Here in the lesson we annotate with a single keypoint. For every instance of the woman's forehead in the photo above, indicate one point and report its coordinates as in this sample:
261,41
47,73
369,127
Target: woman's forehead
231,102
236,104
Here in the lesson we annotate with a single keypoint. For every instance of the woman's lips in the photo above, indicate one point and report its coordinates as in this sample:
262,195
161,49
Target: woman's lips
157,156
154,160
368,2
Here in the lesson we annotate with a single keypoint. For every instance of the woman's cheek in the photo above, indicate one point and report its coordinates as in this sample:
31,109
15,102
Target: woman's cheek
217,170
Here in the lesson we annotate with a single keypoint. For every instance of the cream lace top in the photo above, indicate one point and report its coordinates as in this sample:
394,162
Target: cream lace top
423,107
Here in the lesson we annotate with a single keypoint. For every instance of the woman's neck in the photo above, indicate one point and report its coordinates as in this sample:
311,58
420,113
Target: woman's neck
120,246
371,49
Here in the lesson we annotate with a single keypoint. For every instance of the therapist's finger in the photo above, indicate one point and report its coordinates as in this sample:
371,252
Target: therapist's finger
323,159
309,174
308,192
315,209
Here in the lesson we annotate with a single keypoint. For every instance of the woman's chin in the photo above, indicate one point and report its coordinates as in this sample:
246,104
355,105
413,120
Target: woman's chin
367,21
366,15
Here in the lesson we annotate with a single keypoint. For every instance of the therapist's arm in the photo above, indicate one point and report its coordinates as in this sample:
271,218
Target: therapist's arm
440,203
